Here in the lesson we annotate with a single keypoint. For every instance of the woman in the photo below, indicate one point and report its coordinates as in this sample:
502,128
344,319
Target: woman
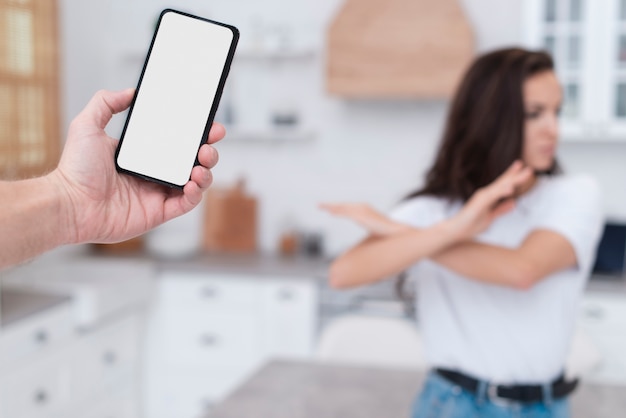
500,244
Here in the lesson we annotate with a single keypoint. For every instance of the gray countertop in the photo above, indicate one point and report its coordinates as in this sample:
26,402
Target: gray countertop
16,305
288,389
257,264
297,266
604,285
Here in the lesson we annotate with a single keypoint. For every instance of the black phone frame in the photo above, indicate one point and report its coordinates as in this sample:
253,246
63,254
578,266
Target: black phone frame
214,105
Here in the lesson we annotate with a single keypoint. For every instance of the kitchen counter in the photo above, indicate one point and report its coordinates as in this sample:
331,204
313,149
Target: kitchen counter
289,389
376,299
19,304
257,264
97,287
603,285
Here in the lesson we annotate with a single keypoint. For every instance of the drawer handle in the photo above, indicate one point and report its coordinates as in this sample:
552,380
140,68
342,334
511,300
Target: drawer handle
208,292
595,312
41,397
41,337
207,404
286,295
209,340
109,358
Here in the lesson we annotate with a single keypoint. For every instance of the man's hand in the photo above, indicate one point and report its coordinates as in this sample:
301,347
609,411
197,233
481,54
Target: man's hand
102,205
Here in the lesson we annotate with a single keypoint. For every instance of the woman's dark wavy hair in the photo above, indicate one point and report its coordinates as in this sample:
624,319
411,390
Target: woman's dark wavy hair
484,132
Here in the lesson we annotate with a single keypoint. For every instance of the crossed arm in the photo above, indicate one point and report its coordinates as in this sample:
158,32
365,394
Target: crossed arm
392,247
542,253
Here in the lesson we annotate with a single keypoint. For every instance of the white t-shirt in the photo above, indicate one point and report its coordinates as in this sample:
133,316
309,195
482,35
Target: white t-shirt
495,332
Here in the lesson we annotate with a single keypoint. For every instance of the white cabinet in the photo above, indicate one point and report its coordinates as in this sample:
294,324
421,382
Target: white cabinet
35,335
603,319
105,363
49,369
588,42
209,332
39,389
289,313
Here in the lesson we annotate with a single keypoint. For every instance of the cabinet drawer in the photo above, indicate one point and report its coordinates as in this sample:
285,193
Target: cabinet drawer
604,311
111,407
612,367
195,290
106,358
190,395
290,318
39,390
191,338
34,335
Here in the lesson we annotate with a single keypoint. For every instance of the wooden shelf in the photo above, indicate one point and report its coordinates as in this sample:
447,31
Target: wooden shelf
278,55
285,135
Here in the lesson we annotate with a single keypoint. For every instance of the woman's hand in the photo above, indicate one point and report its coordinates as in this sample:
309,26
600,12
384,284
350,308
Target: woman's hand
373,221
490,202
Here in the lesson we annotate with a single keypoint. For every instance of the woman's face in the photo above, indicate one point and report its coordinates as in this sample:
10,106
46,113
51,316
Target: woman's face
542,104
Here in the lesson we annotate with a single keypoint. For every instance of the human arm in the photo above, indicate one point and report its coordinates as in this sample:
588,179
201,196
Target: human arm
379,257
542,253
565,234
394,246
84,199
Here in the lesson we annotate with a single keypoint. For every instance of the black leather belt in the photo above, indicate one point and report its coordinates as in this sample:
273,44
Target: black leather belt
512,393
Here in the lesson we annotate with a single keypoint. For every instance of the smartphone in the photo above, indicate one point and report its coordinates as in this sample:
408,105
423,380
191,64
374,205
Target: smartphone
176,98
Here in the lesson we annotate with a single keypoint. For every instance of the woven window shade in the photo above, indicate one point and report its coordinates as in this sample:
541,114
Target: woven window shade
29,87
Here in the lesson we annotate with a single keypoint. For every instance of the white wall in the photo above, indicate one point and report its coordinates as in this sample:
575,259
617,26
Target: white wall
369,151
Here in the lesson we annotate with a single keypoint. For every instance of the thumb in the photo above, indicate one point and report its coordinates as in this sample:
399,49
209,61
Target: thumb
104,104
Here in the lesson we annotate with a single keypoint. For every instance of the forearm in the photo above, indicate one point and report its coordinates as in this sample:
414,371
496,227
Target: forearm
509,267
378,258
33,219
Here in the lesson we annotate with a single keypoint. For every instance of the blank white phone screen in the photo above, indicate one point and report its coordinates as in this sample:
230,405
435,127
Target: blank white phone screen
173,103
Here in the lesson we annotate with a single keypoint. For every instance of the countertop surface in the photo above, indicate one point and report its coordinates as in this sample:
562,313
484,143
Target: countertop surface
16,305
87,260
260,264
289,389
257,264
603,285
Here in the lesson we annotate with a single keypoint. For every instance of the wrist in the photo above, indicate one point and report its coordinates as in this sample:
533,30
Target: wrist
62,207
398,228
453,230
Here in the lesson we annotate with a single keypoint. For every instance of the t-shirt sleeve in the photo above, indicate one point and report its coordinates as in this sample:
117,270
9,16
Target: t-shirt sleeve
419,212
573,209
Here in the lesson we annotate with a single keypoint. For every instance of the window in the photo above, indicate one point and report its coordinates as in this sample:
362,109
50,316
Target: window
29,87
587,40
563,40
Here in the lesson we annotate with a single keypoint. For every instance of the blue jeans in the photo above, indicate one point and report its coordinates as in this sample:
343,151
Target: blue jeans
442,399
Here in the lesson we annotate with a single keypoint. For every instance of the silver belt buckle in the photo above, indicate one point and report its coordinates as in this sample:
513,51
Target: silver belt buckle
492,394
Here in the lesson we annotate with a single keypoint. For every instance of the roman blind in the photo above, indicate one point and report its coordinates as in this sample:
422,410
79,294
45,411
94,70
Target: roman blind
29,87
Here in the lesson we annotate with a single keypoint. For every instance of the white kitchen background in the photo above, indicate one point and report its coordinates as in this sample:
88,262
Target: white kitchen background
372,151
138,330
